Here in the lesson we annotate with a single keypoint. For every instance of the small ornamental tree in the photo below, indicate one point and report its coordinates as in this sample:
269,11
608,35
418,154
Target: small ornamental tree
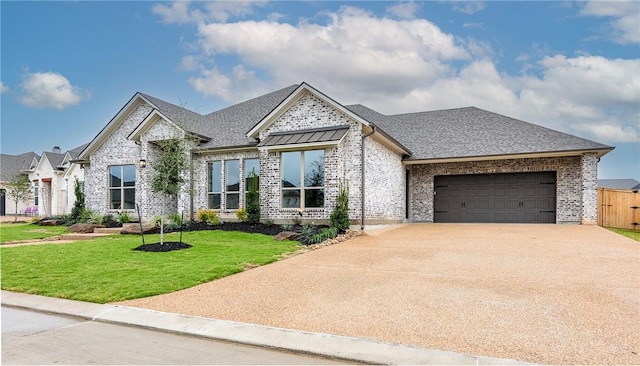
253,199
339,218
78,210
19,190
169,166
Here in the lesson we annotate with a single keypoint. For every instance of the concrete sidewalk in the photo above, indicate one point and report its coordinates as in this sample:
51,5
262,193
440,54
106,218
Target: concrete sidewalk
339,347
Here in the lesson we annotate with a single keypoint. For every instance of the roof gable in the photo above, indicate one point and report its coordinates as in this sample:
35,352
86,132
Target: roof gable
291,100
11,166
111,127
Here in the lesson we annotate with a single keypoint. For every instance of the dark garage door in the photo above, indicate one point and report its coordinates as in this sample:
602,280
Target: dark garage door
512,197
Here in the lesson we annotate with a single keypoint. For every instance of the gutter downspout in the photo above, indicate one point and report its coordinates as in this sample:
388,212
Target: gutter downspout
373,130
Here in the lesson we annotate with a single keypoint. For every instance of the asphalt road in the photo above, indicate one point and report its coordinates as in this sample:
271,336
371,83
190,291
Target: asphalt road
36,338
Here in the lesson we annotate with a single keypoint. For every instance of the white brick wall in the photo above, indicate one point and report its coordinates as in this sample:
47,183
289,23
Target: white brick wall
384,183
116,150
589,171
341,162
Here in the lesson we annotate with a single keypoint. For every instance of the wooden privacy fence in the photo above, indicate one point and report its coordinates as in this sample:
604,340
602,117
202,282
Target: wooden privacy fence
619,208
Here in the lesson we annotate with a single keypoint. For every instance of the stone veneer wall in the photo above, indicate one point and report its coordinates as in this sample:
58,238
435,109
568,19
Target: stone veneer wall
384,183
115,150
575,183
341,162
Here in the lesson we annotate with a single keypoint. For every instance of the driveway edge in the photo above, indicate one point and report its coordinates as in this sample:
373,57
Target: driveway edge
320,344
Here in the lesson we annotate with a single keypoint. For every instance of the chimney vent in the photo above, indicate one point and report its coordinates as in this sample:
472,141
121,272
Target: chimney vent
56,150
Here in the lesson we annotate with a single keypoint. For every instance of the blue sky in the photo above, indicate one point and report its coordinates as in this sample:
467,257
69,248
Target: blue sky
68,67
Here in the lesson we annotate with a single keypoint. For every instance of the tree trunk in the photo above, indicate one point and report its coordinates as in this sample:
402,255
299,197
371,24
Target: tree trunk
15,215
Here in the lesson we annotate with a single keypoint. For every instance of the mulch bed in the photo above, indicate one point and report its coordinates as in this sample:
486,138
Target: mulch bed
167,246
233,226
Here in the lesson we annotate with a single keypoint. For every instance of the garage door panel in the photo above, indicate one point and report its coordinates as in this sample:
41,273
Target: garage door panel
504,197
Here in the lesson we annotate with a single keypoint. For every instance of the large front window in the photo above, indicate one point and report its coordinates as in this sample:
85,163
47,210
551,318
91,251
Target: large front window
214,186
224,189
232,184
122,187
302,179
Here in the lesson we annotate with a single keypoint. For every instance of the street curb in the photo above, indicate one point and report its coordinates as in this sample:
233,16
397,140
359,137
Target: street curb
326,345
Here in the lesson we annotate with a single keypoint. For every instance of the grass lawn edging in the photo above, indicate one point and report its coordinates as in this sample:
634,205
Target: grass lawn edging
106,269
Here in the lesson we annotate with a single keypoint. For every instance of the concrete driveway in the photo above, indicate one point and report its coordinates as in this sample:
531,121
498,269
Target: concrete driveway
555,294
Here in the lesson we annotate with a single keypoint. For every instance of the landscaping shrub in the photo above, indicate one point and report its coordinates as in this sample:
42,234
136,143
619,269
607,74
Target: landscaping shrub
324,234
214,219
110,221
267,222
241,214
340,216
176,219
124,217
97,218
77,212
204,215
253,199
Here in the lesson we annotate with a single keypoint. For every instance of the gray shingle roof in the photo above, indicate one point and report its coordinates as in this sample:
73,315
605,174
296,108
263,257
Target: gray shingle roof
11,166
77,150
618,183
54,158
186,119
229,126
452,133
470,132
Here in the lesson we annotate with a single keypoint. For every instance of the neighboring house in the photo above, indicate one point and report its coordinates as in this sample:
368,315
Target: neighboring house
618,183
456,165
11,168
53,179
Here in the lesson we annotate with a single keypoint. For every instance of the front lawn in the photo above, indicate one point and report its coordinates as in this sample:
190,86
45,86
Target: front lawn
633,234
107,269
27,231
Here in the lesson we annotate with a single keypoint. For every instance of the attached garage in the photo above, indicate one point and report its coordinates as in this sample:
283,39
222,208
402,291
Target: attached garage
500,198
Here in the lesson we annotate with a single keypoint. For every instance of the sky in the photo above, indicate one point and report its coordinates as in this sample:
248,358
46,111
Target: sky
67,68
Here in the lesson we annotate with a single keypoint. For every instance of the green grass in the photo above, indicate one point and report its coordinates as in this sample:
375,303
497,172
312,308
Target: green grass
635,235
26,231
107,269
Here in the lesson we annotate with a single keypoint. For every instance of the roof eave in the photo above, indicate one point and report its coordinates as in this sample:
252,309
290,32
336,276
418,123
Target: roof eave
544,154
220,149
106,130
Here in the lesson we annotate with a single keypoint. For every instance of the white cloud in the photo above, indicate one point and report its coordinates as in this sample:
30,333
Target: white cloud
404,10
404,65
217,11
49,90
358,50
468,7
3,88
625,16
178,12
